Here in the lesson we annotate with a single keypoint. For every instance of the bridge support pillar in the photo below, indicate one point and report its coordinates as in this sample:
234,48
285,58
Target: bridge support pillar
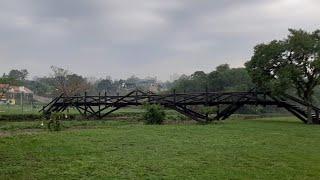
316,119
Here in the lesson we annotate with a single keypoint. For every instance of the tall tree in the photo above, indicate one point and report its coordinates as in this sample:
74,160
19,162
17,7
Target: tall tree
38,87
18,74
10,81
199,81
105,85
68,83
223,78
289,63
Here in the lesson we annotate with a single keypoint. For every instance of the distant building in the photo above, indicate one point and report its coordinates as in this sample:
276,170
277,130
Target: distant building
19,90
4,86
12,94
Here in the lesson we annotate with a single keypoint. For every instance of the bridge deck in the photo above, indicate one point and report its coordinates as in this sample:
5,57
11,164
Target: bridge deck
101,105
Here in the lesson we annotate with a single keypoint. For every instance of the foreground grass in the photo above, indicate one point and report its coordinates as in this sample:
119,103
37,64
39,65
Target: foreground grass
270,148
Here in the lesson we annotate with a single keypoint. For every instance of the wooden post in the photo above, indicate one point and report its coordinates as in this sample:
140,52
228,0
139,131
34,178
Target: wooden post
317,117
184,97
21,101
85,104
256,95
105,99
99,105
174,97
207,103
207,98
136,97
309,114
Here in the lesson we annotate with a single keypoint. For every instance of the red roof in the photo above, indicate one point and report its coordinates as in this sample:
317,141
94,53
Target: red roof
20,89
16,89
2,86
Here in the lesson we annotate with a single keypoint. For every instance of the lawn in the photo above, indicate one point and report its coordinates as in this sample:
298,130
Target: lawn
265,148
18,109
27,109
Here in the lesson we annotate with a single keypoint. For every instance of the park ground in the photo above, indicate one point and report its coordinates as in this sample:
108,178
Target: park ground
259,148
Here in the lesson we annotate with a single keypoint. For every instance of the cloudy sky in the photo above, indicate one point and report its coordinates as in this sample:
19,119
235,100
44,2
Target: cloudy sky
158,38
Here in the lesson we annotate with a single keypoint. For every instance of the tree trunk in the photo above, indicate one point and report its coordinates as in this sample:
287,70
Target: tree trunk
308,99
309,113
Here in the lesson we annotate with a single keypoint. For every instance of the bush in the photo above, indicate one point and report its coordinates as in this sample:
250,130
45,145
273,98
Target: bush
182,117
54,122
154,114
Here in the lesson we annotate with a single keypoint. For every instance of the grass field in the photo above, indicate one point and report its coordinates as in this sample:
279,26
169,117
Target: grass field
27,109
14,109
269,148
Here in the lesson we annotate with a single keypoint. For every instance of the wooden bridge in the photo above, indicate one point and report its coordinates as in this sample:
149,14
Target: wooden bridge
228,103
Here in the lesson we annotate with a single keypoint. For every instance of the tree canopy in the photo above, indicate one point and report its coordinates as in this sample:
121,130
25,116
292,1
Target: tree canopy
223,78
68,83
289,63
18,74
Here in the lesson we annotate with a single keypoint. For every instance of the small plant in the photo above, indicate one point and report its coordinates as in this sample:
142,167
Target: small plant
208,110
182,117
154,114
54,122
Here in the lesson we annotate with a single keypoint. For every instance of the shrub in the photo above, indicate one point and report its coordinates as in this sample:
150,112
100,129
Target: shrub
154,114
208,110
54,122
182,117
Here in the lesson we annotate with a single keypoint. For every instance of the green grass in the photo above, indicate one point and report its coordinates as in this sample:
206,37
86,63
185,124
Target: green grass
268,148
18,109
27,109
14,114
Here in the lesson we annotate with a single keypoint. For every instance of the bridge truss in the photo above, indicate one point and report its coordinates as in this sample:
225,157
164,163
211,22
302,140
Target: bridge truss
227,103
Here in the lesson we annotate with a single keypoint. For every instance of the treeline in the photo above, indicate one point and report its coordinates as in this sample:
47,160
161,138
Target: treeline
227,79
223,78
64,81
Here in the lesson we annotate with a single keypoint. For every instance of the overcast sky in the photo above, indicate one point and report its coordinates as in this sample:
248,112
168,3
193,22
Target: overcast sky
158,38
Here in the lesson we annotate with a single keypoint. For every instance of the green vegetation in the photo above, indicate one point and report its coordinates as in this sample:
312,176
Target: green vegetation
154,114
18,113
292,63
122,147
289,63
14,77
223,78
17,109
268,148
14,113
